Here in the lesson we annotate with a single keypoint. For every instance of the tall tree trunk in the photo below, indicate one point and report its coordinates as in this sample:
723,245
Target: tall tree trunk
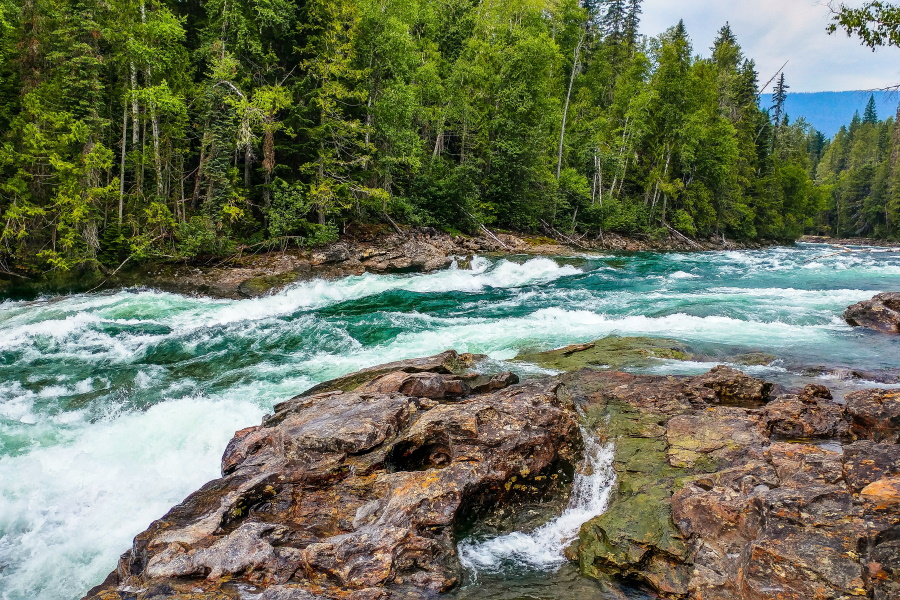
562,131
201,166
248,159
154,121
135,131
157,155
143,166
268,159
122,163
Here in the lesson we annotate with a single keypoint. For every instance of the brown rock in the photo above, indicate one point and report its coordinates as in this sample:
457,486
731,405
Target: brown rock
883,494
875,414
446,363
752,515
881,313
351,495
733,387
496,382
867,461
419,385
809,415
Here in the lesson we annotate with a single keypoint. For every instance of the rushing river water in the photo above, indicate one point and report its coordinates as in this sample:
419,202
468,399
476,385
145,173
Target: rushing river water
115,406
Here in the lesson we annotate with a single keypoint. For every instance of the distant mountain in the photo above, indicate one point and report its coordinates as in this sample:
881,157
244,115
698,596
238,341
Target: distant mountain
828,111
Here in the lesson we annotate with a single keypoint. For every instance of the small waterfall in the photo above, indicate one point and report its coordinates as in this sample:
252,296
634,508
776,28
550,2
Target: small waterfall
543,548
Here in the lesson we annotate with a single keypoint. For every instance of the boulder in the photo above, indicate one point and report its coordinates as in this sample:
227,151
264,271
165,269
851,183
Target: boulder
359,489
357,494
446,363
810,414
881,313
610,353
875,414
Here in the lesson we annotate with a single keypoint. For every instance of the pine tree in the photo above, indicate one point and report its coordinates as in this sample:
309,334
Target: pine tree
726,53
871,114
779,95
614,21
632,22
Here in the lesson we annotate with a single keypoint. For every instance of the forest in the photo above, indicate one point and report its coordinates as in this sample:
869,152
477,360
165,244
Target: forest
859,170
163,129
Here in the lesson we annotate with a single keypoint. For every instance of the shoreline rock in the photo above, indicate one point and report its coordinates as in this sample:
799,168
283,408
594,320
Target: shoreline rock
823,239
881,313
786,498
360,250
357,495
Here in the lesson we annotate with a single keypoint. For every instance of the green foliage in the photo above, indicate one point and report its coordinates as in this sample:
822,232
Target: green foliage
875,23
146,129
858,179
198,237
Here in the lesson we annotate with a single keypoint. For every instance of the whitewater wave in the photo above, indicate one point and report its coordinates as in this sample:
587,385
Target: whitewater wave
542,549
71,509
113,402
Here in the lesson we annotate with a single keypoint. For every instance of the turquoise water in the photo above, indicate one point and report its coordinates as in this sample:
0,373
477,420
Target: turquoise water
115,406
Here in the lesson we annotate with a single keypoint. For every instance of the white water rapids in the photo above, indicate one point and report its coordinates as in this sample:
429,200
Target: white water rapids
542,549
114,406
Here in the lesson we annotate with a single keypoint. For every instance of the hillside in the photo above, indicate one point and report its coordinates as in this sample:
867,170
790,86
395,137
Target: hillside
828,111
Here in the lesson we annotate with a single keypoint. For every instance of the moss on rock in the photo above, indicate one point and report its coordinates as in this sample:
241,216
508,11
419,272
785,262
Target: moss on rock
612,353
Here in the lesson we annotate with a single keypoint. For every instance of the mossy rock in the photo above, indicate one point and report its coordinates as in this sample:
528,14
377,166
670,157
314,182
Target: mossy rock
613,352
636,537
259,286
754,359
541,241
447,362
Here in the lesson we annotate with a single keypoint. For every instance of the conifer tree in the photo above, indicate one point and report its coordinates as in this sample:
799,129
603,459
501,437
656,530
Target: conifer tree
142,129
779,95
632,22
614,21
870,116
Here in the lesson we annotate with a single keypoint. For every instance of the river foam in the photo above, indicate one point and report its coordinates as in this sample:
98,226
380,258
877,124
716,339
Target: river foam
542,549
114,406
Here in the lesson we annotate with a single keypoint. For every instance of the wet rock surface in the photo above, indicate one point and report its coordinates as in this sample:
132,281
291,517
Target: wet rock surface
724,492
881,313
611,353
726,488
357,494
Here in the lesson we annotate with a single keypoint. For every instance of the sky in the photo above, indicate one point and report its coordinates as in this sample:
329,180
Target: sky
774,31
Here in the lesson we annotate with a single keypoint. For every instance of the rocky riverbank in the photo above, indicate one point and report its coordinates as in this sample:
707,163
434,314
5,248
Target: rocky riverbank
821,239
360,488
361,250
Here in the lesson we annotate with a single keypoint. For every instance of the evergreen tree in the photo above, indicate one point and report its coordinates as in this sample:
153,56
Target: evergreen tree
632,22
779,95
614,20
870,116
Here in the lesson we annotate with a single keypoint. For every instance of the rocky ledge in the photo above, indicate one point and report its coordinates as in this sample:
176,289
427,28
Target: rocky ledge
724,492
881,313
360,488
357,493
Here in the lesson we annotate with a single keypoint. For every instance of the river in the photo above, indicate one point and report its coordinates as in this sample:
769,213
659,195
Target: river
114,406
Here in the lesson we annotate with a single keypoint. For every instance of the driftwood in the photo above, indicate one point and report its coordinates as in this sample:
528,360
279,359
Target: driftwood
684,237
843,250
393,224
569,240
487,231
